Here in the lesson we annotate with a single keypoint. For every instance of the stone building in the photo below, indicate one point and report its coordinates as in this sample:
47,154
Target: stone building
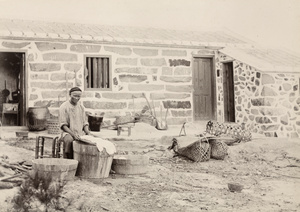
203,75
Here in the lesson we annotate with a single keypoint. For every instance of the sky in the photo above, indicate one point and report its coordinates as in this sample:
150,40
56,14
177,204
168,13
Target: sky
273,23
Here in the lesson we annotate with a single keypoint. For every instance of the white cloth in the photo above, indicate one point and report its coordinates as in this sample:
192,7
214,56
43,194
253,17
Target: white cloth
101,143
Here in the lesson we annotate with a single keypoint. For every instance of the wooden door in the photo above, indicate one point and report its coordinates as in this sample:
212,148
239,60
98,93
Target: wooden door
228,91
203,89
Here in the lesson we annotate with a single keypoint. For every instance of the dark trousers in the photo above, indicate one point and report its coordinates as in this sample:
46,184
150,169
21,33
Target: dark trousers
68,144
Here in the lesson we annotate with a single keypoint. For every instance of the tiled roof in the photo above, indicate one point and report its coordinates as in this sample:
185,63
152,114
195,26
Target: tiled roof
26,29
266,59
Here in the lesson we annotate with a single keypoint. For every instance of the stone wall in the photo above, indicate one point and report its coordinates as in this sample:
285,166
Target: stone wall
269,103
163,74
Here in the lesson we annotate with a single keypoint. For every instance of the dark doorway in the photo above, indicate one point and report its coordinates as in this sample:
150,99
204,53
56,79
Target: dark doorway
12,87
228,90
203,82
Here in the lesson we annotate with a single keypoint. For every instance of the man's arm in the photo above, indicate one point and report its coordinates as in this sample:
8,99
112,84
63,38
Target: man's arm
87,130
67,129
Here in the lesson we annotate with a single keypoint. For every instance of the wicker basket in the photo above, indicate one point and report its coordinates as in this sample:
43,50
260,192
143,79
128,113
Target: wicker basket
199,151
218,149
53,126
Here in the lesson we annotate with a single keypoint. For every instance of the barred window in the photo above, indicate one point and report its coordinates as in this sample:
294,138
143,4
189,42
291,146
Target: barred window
98,73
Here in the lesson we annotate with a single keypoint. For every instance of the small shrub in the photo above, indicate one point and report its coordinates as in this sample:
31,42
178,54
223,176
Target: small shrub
38,192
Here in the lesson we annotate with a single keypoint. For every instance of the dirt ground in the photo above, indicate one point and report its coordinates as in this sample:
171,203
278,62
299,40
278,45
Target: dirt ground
267,167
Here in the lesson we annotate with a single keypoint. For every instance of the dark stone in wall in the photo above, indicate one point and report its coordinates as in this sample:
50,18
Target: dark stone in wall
177,104
263,120
270,127
115,81
257,102
257,74
180,62
295,88
257,82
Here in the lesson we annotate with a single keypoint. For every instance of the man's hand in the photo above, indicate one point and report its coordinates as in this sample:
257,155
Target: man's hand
76,137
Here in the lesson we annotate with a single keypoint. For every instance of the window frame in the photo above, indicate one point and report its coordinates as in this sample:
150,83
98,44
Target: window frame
109,57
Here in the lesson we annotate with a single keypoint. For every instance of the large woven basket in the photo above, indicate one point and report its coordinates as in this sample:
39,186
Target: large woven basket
199,151
53,126
218,149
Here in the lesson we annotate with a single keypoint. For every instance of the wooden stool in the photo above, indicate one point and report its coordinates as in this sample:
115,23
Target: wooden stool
39,146
123,127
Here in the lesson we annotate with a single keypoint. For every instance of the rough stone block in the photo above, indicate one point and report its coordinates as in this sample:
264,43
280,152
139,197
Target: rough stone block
72,66
85,48
167,71
175,79
286,86
61,76
119,50
263,120
51,94
267,111
41,67
181,113
126,61
105,105
153,62
145,52
50,85
266,91
132,78
145,87
47,46
117,96
173,52
205,52
272,127
267,79
15,45
179,88
137,70
254,112
30,57
157,96
39,76
182,71
292,97
59,57
284,120
33,97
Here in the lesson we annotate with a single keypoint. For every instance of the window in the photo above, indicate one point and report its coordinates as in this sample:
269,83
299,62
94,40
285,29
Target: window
98,73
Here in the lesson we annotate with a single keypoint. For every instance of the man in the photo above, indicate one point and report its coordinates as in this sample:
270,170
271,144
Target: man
73,122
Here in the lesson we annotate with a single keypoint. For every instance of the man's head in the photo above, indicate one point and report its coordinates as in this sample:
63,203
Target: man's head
75,94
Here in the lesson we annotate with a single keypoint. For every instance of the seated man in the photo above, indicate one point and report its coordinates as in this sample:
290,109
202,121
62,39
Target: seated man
73,121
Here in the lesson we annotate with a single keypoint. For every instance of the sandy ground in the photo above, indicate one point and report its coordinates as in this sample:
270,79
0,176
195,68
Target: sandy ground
267,167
